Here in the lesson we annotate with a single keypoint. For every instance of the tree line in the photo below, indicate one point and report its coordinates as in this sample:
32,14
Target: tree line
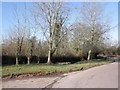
85,37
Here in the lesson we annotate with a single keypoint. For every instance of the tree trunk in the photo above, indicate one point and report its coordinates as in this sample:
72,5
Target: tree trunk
50,49
28,62
49,57
38,61
17,61
56,52
89,55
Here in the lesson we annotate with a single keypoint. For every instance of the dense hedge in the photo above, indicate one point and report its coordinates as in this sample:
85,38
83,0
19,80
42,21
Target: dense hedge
10,60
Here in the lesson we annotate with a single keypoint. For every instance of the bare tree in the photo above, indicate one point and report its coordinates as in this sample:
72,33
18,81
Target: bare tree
19,34
39,51
29,48
93,16
29,39
52,17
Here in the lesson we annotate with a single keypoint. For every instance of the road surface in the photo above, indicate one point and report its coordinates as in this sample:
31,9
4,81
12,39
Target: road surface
29,82
105,76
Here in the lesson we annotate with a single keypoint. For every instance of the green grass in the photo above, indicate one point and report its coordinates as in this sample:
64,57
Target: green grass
44,68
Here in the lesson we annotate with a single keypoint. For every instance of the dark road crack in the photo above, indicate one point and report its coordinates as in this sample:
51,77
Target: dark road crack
51,84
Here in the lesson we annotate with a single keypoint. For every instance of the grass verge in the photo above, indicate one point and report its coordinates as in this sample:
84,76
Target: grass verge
45,69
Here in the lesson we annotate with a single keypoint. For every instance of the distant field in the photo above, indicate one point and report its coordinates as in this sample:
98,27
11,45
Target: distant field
47,69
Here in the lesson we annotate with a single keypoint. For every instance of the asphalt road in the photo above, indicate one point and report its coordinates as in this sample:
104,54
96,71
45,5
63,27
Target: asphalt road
105,76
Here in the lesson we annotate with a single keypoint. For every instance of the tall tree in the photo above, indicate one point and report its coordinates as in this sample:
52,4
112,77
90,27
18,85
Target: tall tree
94,18
52,18
19,34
